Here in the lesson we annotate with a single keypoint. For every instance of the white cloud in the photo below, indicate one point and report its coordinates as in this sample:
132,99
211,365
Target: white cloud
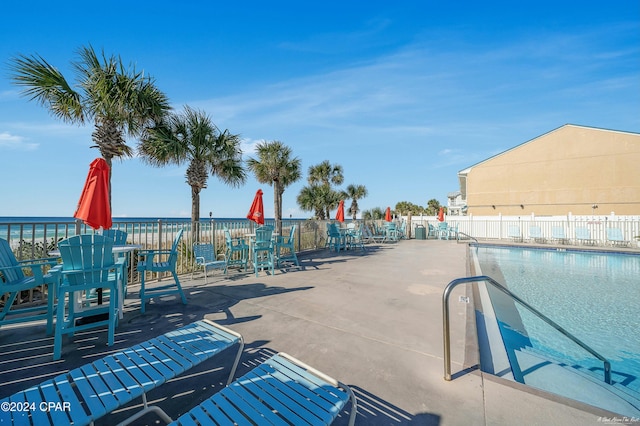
9,141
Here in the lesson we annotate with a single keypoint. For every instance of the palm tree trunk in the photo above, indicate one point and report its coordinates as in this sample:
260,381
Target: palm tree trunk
277,206
195,211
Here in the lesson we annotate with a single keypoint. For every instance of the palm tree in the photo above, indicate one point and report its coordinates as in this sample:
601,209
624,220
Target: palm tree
191,137
315,198
120,101
275,167
355,193
327,174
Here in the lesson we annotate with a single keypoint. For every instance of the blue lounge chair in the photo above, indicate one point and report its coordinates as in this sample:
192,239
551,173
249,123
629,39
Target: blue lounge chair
615,238
558,234
263,250
205,258
514,233
280,391
370,236
583,235
13,282
535,234
151,263
94,390
87,266
285,249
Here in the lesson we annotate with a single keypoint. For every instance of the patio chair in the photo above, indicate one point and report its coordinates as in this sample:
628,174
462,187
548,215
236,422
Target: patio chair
443,231
558,235
13,282
280,391
205,258
535,234
288,245
119,237
433,232
355,238
237,251
583,235
402,230
87,266
263,250
391,232
615,238
453,232
151,263
370,236
334,238
514,233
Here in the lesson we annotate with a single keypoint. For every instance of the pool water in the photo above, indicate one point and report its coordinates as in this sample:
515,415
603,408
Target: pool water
595,296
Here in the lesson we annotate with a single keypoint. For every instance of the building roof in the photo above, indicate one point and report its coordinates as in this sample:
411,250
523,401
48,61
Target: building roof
468,169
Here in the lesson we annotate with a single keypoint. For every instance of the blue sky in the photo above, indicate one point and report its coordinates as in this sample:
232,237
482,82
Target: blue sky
402,95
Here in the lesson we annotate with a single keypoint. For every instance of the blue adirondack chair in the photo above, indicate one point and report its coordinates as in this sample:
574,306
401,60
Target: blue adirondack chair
87,266
288,245
153,263
205,258
356,238
13,282
119,237
443,231
237,251
334,238
263,250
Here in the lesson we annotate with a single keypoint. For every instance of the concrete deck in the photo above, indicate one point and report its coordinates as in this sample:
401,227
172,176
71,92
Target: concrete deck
372,320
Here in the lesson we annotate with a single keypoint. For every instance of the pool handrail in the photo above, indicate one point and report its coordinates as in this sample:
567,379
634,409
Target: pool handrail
466,280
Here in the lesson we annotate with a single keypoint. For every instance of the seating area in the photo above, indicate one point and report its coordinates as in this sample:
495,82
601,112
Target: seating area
281,389
327,316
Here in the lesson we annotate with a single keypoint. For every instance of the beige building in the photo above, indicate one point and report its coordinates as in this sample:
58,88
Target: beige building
577,169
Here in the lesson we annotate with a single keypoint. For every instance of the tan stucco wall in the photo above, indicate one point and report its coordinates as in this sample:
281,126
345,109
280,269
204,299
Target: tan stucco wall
566,170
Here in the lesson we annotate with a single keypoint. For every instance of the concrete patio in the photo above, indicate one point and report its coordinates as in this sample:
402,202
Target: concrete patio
372,320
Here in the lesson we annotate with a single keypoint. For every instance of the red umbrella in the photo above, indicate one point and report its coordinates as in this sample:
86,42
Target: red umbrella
94,208
387,214
340,212
441,214
256,212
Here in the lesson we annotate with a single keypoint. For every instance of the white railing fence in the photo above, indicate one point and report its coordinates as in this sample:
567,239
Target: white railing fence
498,227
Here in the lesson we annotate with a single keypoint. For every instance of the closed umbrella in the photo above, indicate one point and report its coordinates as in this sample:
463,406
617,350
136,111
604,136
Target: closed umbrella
94,208
340,212
441,214
387,214
256,212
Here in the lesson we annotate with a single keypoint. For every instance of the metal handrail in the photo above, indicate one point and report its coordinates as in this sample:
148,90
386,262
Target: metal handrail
445,320
468,236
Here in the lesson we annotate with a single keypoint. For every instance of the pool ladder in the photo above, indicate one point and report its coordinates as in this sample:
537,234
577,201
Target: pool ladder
446,332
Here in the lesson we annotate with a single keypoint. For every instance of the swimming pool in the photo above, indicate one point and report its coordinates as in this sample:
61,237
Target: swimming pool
593,295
